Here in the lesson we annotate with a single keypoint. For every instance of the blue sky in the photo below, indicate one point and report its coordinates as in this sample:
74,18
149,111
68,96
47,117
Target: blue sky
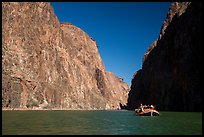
123,30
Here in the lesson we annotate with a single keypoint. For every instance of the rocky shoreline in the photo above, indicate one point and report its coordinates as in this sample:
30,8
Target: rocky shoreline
26,109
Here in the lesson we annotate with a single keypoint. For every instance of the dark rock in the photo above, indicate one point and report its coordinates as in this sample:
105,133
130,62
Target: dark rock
171,72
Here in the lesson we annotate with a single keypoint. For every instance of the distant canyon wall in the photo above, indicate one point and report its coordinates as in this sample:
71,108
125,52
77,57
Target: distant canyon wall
51,65
170,77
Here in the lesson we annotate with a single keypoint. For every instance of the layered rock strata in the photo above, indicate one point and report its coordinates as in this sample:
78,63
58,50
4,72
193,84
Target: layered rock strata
51,65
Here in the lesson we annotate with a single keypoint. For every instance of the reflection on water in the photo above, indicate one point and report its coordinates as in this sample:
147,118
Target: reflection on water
99,122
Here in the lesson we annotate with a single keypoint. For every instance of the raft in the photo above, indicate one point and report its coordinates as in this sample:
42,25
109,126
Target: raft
147,112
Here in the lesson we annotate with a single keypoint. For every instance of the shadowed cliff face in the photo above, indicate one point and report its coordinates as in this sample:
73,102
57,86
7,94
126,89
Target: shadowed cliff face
171,70
48,65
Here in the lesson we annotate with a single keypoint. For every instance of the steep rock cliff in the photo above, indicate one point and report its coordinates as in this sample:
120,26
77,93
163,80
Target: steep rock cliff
118,90
51,65
170,77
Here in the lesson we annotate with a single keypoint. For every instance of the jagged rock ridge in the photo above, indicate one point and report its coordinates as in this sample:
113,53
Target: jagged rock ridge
170,77
51,65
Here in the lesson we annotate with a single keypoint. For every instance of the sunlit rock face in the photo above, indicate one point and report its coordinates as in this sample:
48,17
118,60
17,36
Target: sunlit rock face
118,90
170,77
51,65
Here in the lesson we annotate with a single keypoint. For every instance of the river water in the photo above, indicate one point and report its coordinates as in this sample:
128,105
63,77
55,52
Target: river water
99,122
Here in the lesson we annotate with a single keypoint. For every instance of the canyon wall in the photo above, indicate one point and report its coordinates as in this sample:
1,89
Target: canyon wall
170,77
51,65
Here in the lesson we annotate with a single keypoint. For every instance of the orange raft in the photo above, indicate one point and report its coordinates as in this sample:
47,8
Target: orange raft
146,111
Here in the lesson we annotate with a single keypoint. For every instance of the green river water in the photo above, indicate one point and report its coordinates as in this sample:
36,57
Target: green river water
99,122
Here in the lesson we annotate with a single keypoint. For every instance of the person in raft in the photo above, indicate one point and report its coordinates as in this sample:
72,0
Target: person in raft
141,107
